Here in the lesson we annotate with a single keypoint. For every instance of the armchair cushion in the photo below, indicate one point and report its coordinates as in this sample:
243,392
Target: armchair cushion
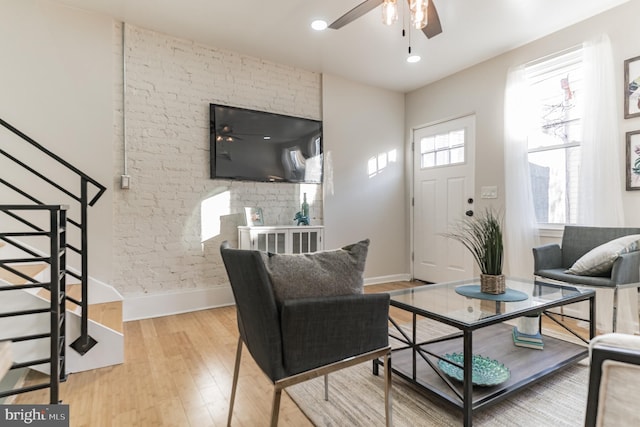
319,331
600,259
317,274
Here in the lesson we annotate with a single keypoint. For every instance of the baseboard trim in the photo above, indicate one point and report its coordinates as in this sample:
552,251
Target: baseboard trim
158,305
167,304
386,279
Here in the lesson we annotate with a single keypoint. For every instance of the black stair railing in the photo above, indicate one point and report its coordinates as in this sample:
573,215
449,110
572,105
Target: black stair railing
83,200
56,285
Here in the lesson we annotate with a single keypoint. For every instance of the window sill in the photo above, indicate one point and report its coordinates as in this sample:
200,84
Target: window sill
551,230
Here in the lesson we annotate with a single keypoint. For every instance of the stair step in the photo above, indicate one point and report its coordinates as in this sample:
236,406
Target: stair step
108,314
30,270
45,294
6,357
75,291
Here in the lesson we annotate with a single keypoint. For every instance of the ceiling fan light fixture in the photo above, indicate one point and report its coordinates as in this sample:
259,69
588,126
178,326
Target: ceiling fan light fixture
412,59
319,25
389,11
418,10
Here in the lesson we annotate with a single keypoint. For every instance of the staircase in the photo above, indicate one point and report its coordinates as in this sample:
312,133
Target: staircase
38,280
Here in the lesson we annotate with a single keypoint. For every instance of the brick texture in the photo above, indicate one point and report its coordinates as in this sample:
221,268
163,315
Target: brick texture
170,83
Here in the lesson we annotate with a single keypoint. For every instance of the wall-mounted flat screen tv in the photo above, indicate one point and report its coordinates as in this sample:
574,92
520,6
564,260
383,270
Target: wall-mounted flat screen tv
251,145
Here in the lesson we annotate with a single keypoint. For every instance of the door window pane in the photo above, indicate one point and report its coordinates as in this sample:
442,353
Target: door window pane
443,149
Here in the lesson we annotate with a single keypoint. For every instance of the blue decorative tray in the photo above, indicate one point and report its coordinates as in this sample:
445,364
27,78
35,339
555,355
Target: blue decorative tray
486,372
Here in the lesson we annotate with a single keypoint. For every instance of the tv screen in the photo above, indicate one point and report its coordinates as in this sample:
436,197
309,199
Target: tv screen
254,145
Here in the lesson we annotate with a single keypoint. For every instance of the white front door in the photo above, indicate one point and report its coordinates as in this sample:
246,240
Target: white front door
443,190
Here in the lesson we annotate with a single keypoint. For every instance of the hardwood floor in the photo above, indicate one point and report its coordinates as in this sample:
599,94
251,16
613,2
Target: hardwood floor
177,372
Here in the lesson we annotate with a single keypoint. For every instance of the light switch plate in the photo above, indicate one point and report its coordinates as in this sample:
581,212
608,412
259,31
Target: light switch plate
489,192
125,182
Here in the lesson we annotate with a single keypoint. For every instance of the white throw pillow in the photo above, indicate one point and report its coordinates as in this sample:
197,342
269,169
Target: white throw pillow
600,259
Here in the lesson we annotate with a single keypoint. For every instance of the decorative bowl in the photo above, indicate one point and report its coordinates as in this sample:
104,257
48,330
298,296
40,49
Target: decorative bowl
486,372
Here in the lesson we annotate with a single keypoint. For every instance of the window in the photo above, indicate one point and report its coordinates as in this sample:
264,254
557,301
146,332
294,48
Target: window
555,87
442,149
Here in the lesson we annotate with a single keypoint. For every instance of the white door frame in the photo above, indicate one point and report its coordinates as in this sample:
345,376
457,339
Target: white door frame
412,177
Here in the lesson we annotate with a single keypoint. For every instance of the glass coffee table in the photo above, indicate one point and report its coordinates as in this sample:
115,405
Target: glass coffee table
443,365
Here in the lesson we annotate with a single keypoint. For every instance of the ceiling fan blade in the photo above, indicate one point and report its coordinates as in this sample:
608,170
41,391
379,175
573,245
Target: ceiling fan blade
355,13
433,27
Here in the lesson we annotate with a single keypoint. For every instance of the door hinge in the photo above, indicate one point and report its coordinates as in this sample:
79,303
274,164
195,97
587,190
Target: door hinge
413,146
412,256
413,201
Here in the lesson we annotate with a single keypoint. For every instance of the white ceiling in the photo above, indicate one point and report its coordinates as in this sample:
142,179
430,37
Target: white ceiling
364,50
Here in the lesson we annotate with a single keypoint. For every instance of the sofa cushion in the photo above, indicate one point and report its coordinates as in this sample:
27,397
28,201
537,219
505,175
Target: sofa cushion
600,259
317,274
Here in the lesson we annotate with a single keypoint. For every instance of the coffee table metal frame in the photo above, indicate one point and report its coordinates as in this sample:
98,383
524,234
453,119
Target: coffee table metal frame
416,354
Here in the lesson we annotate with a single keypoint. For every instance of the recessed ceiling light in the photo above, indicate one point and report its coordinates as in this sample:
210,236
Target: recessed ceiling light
319,25
413,59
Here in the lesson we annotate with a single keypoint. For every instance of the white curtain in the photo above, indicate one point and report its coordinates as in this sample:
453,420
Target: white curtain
520,226
601,184
600,188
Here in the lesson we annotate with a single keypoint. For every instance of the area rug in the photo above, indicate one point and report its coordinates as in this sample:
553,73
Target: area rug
356,398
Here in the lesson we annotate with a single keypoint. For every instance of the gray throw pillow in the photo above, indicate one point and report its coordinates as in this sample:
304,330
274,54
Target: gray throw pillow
317,274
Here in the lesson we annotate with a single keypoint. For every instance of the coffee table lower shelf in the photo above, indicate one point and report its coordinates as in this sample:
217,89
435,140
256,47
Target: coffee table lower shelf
526,365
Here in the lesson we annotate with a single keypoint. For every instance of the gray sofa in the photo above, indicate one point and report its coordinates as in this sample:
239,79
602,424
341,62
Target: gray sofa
551,261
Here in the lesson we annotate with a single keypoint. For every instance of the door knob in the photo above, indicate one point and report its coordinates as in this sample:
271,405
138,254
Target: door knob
469,213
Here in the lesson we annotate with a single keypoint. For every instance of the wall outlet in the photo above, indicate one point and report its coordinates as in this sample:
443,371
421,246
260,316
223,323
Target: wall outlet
489,192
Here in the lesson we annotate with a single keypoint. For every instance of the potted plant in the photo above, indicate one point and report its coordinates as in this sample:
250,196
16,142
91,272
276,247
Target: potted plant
482,236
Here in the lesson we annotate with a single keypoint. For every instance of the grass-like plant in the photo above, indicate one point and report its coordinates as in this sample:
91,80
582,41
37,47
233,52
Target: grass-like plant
482,236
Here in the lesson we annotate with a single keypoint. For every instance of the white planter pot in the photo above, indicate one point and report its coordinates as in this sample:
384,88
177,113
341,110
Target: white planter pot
529,325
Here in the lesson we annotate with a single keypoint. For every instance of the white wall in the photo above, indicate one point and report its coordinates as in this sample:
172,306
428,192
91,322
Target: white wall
56,86
480,89
360,123
158,246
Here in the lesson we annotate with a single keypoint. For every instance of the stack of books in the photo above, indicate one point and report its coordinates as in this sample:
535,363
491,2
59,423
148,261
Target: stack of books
525,340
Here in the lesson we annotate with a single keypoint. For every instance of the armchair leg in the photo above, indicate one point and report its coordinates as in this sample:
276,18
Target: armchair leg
615,309
387,390
275,409
236,370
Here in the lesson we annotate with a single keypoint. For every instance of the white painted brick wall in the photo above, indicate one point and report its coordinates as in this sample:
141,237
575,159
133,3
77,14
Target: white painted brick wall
170,84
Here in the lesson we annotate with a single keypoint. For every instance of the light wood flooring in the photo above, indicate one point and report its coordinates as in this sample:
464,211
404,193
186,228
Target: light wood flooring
177,372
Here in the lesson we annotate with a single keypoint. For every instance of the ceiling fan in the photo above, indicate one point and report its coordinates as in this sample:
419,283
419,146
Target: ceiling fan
432,29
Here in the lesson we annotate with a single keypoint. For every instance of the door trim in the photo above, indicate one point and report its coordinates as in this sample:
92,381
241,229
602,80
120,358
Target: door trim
412,176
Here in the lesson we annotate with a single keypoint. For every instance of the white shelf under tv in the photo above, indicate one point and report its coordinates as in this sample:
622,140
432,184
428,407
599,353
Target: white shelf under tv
282,239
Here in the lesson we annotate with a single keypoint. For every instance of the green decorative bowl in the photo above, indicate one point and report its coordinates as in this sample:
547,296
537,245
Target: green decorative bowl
486,372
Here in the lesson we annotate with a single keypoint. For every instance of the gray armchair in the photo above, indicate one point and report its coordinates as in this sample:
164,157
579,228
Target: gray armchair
299,339
552,261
